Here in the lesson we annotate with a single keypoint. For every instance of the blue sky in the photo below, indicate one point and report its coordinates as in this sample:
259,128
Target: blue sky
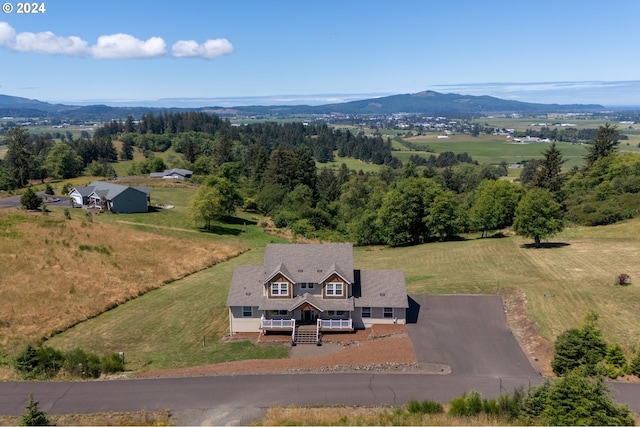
239,52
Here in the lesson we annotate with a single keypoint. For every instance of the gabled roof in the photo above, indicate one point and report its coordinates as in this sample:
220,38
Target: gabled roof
311,262
111,190
305,298
84,191
281,269
175,171
335,270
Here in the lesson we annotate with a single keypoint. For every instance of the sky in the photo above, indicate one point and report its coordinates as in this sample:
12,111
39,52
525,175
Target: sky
252,52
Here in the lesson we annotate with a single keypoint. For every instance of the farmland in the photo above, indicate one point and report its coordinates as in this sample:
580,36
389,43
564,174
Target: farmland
494,149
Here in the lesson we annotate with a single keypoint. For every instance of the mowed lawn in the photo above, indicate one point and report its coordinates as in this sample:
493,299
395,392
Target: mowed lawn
561,282
184,323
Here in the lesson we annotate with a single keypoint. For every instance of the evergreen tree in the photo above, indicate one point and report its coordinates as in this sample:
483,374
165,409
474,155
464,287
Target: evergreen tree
549,173
604,143
33,415
30,200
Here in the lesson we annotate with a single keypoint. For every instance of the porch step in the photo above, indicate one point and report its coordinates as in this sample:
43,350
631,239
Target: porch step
305,337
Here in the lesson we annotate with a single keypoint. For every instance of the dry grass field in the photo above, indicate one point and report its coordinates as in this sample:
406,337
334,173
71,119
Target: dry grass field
57,272
366,416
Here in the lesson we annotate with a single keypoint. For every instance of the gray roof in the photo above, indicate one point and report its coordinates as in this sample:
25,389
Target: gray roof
371,288
84,191
382,288
111,190
310,263
174,171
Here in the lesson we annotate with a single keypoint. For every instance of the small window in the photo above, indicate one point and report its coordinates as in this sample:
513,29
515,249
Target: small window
247,311
388,312
366,312
339,313
331,313
283,312
279,288
334,289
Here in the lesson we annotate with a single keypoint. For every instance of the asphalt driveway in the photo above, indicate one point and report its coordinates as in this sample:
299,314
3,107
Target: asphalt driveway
467,332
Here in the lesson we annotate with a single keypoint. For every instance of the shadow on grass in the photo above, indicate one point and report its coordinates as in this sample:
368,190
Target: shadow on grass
545,245
220,228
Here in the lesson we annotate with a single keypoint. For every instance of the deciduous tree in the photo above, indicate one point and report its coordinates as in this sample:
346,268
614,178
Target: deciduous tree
538,215
62,162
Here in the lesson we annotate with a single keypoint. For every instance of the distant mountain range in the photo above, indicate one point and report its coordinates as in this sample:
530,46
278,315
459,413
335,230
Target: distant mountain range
427,102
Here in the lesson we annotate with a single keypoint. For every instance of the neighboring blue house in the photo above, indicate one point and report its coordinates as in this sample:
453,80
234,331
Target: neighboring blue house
115,197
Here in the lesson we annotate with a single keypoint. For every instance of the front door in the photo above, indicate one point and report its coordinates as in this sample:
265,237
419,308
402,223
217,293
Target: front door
307,316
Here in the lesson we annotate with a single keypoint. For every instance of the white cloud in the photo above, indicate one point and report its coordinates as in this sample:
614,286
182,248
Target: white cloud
7,34
47,42
126,46
210,49
109,46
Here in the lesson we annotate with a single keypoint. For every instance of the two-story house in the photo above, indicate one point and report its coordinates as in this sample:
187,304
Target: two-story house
313,284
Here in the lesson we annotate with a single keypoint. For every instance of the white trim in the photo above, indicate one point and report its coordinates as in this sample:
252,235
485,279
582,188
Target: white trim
244,314
334,289
279,289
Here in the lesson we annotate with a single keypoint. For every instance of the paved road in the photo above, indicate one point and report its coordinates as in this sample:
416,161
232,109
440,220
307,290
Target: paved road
468,333
261,391
14,201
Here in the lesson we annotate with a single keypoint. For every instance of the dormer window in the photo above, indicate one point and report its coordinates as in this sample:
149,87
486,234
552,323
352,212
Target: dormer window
335,289
280,288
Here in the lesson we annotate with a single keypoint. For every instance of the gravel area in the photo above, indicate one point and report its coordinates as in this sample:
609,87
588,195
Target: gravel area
379,348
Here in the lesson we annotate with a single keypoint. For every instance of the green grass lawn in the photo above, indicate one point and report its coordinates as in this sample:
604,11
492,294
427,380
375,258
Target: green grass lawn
167,327
351,163
495,149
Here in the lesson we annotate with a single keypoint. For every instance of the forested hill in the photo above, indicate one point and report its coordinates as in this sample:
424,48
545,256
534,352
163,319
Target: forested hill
427,102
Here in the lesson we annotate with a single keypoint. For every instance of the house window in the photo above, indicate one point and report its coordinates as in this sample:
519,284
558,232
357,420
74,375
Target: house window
366,312
280,288
335,289
388,312
331,313
279,312
306,285
247,311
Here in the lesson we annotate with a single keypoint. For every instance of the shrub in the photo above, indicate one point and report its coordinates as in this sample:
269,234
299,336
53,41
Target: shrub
42,362
466,405
634,366
33,415
81,364
112,364
623,279
425,407
616,361
582,347
49,190
30,200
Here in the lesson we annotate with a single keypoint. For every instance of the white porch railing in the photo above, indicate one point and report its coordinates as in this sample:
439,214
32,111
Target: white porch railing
335,324
277,323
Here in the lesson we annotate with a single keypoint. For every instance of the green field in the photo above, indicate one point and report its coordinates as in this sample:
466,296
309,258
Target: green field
167,327
494,149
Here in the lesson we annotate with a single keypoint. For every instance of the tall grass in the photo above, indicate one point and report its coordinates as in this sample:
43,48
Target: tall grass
57,272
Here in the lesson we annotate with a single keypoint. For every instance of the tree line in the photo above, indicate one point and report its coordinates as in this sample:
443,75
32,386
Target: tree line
271,168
